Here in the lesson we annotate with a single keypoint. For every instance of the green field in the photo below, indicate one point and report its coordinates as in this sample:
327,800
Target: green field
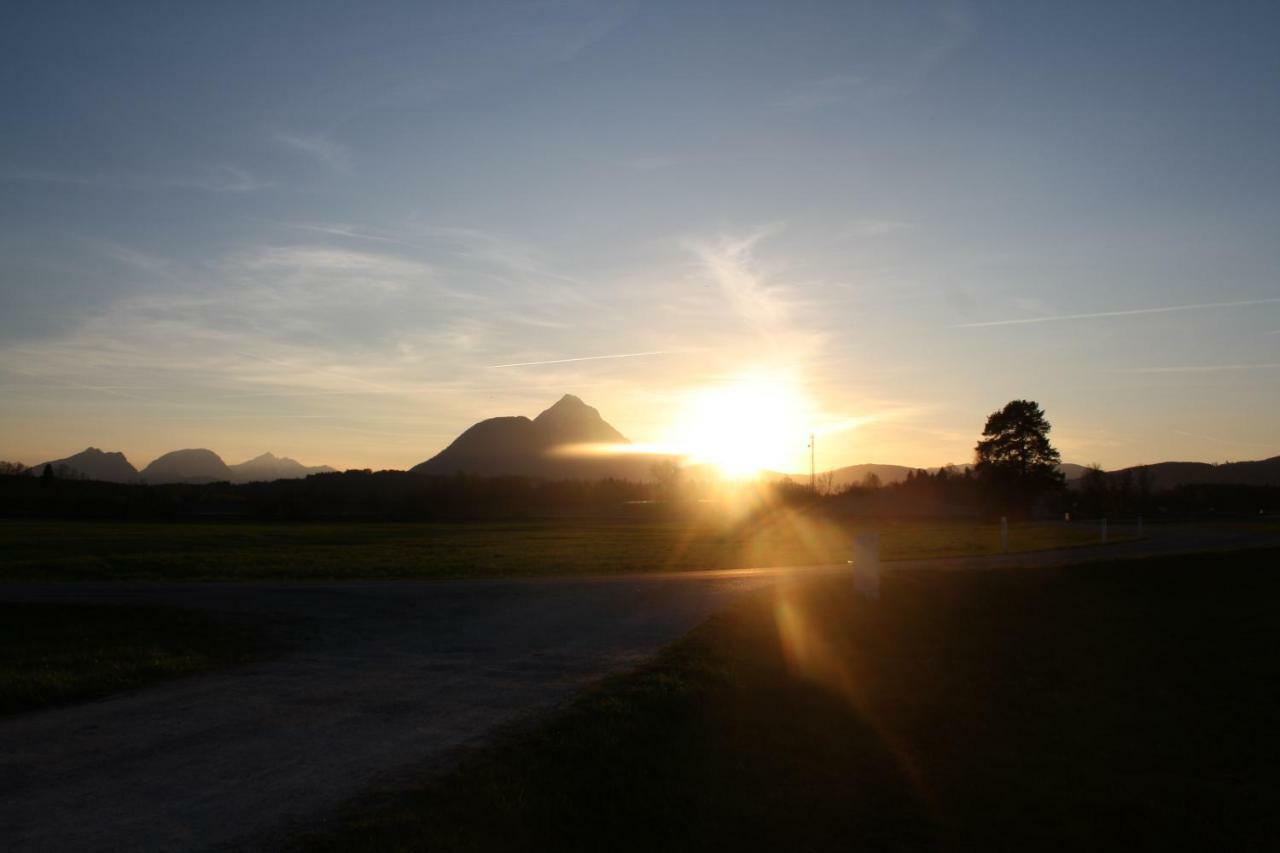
54,654
1106,706
235,551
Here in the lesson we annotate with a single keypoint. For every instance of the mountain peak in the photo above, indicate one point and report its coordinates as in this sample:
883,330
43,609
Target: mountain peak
568,403
95,464
517,445
571,421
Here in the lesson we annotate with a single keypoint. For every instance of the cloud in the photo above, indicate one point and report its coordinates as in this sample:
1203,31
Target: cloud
221,178
583,358
731,264
1164,309
326,260
877,227
318,147
1199,368
914,51
824,92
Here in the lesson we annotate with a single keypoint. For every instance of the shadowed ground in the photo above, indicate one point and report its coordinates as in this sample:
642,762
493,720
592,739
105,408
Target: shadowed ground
382,677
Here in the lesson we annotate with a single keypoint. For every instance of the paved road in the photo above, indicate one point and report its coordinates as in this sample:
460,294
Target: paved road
384,676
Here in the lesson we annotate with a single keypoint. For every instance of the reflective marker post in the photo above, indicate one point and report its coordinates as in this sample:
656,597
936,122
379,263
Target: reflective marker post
866,564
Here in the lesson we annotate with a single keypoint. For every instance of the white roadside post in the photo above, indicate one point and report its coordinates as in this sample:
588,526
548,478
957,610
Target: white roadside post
866,564
1004,535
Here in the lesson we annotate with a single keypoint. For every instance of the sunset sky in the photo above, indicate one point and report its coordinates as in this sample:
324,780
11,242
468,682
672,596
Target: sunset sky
343,232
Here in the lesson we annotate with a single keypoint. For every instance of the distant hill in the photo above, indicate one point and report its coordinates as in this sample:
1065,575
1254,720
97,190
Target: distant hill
518,445
93,464
1167,475
187,466
854,475
269,467
1072,470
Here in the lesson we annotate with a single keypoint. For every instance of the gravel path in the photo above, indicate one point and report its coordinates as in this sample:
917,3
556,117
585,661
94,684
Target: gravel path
383,676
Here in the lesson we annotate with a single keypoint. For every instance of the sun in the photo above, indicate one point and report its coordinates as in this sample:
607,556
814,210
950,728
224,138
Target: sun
752,423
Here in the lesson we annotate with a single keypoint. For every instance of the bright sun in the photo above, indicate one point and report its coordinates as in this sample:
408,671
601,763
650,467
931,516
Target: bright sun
753,423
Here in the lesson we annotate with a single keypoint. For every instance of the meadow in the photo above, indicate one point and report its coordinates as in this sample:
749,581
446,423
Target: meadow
1093,707
56,654
64,550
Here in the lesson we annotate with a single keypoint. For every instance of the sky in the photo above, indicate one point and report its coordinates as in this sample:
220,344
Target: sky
343,232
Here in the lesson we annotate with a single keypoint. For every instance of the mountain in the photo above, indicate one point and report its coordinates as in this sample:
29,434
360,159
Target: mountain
93,464
1166,475
268,467
1072,470
854,475
535,448
187,466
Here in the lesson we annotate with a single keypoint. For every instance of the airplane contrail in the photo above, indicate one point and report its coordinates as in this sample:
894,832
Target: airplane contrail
583,358
1200,368
1129,313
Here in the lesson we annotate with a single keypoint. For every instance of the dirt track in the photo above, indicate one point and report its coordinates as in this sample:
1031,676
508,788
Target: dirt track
383,676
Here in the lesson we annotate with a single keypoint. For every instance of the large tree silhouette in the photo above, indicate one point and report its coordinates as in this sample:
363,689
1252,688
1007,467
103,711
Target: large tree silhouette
1015,461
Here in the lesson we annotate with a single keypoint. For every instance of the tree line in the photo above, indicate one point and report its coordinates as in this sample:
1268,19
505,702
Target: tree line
1015,474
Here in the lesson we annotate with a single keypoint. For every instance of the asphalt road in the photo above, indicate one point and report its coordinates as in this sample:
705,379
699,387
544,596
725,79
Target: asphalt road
383,678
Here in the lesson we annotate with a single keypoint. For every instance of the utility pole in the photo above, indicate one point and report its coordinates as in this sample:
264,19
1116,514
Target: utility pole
813,472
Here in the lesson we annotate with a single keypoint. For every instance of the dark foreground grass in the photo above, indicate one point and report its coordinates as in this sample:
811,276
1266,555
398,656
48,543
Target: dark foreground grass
42,550
1130,705
55,654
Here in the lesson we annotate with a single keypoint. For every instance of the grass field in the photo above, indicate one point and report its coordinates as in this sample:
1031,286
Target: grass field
65,550
1126,705
54,654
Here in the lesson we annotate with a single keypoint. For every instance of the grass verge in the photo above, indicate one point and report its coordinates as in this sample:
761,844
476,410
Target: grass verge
43,550
1107,705
56,654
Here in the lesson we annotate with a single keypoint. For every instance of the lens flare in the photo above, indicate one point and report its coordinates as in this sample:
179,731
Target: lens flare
755,422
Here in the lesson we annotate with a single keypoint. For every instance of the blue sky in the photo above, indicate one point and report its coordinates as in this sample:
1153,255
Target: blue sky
319,229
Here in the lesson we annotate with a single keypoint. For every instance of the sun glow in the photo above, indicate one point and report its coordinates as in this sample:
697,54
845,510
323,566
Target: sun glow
753,423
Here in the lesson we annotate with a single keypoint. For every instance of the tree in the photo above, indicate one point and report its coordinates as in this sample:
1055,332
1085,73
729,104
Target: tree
667,474
1094,494
1015,461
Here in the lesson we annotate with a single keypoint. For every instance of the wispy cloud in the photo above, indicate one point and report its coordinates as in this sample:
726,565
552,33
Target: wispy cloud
1132,312
1199,368
584,358
877,227
824,92
731,264
221,178
318,147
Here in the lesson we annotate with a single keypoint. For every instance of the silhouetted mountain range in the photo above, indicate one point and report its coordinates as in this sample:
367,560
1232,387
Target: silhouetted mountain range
856,475
544,447
179,466
1166,475
536,448
93,464
268,467
187,466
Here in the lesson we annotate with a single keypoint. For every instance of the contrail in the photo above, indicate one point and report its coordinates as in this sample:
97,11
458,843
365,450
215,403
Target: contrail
583,358
1200,368
1129,313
